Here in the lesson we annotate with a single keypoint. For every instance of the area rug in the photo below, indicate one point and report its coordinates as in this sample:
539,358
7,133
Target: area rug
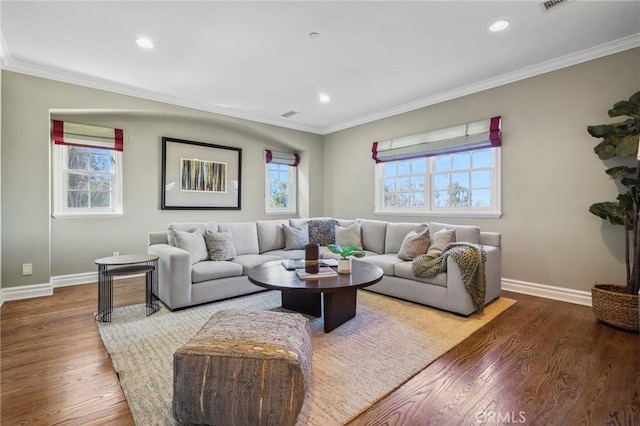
355,365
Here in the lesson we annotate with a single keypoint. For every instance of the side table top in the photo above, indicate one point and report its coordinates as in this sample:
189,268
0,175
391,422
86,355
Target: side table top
126,259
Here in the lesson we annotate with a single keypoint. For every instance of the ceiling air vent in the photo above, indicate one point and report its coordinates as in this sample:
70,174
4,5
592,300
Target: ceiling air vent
289,114
553,4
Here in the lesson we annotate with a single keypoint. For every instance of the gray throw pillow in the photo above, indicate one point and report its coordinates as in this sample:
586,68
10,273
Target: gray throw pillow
193,242
322,232
414,244
220,245
295,238
439,241
349,236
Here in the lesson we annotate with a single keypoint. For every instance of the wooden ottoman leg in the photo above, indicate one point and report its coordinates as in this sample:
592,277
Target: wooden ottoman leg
244,367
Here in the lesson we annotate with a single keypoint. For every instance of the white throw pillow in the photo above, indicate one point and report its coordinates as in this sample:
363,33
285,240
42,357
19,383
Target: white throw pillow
439,241
349,236
414,244
193,242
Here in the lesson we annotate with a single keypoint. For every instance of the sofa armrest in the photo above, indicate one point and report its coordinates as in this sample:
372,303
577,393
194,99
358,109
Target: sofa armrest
174,275
491,239
458,299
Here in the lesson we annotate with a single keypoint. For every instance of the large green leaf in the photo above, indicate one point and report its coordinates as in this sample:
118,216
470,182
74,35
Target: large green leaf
608,210
602,130
626,146
625,108
605,149
630,182
620,172
635,98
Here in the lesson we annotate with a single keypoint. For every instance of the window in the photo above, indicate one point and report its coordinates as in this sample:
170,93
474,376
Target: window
87,170
457,184
280,188
87,181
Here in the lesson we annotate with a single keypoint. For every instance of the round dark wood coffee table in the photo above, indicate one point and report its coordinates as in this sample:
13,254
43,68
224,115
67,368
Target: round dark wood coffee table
305,296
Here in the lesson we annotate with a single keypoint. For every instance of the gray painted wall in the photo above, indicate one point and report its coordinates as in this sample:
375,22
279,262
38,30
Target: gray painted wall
59,247
550,175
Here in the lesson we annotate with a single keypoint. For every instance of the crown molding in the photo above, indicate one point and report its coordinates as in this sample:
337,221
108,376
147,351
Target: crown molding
596,52
626,43
123,89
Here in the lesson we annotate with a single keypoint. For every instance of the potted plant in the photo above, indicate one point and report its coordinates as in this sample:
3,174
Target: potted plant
344,263
614,304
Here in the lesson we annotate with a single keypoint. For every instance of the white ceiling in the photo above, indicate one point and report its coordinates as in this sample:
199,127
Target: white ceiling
255,60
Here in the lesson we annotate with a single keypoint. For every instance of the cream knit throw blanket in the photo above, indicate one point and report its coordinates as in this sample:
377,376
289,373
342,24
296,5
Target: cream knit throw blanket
470,258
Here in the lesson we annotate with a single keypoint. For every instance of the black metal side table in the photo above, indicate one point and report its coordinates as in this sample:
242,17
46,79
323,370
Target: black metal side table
128,264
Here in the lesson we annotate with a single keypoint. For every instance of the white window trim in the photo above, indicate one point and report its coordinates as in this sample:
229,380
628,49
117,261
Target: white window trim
462,213
59,192
293,172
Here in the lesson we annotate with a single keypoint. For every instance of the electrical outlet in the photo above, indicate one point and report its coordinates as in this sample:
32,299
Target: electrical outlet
116,253
27,269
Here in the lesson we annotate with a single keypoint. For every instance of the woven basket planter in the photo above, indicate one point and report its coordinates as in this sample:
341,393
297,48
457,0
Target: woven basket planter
614,307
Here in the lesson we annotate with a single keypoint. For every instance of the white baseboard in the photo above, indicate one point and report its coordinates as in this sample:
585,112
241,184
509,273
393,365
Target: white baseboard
74,279
561,294
26,292
41,290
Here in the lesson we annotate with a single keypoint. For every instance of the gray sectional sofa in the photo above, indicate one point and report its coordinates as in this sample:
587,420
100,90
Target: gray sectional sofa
187,276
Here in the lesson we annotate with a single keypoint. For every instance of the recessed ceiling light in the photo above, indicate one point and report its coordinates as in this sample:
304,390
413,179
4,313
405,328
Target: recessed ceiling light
498,26
144,42
324,98
314,35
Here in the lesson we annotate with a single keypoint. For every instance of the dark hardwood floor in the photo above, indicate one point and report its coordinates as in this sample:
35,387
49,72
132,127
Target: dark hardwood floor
542,362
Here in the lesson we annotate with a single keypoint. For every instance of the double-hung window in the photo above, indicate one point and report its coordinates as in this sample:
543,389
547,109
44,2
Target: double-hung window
448,172
280,182
87,170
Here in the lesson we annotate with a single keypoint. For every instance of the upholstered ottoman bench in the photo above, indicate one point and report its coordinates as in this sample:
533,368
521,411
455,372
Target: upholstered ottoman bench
244,367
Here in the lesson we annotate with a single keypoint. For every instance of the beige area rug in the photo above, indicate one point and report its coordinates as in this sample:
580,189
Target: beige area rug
355,365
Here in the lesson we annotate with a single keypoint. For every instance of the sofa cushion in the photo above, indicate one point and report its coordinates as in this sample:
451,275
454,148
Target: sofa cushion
298,223
349,236
285,254
469,234
295,238
373,234
439,241
270,235
396,231
211,270
404,270
248,261
386,261
322,231
414,244
245,236
193,242
219,245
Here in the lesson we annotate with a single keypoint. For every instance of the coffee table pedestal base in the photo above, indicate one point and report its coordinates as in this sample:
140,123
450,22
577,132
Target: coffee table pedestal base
339,307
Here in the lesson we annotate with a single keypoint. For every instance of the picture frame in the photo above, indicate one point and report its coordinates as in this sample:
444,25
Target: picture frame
200,176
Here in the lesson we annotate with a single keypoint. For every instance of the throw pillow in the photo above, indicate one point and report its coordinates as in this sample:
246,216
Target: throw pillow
414,244
439,241
295,238
349,236
322,232
173,227
193,242
219,245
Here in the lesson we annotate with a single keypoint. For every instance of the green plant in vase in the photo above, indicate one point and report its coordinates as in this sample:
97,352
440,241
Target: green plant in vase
344,263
